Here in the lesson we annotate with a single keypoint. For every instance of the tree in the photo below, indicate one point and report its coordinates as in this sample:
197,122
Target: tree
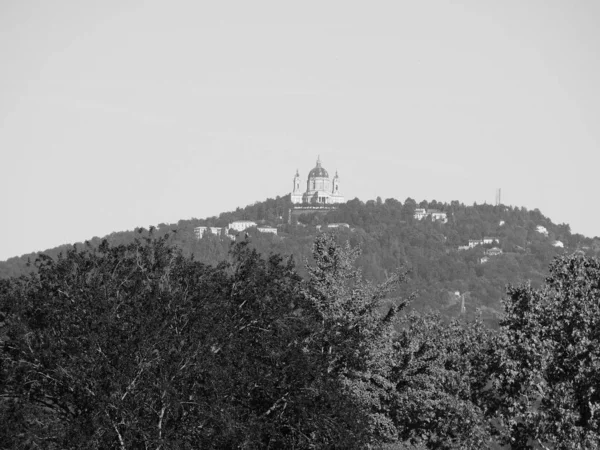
547,369
439,371
408,208
355,331
137,346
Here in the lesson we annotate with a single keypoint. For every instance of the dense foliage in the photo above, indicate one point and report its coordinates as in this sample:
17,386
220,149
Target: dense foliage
546,372
138,346
389,237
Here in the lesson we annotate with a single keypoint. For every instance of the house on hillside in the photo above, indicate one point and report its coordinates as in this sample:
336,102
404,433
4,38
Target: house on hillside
436,215
199,231
267,230
420,213
558,244
542,230
490,240
241,225
475,242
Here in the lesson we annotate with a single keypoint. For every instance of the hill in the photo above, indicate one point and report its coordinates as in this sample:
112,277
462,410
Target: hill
390,237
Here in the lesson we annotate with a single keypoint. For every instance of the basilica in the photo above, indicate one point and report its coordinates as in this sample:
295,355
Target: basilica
320,189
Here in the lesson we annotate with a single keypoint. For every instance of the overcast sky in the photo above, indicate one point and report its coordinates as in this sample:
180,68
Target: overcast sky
117,114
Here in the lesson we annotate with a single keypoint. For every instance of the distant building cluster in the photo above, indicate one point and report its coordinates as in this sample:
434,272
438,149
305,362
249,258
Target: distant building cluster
237,226
320,189
436,215
485,241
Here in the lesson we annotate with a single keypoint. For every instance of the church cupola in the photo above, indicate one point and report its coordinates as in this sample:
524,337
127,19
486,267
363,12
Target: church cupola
318,171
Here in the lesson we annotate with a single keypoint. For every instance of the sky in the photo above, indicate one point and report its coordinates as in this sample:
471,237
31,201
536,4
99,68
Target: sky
119,114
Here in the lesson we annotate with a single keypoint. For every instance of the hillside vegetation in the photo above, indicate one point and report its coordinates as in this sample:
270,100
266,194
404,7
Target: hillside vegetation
141,346
390,238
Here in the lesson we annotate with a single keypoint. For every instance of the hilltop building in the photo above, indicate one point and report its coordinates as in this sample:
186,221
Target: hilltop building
320,189
436,215
475,242
241,225
420,213
199,231
267,230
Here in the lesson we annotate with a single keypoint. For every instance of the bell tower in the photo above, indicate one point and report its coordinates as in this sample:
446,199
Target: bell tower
296,195
335,186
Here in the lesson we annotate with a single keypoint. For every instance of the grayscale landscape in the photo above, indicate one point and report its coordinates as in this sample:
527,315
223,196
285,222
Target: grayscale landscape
313,225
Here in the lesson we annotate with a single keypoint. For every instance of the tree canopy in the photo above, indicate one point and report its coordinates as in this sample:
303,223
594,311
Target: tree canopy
139,345
390,237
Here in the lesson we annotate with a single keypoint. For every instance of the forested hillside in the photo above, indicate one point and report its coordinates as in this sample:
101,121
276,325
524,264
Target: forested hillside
139,346
390,237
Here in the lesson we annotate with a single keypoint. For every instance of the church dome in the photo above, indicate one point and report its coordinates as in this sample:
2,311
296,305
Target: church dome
318,171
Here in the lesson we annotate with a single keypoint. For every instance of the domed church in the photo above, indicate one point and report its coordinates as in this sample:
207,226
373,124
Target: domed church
320,190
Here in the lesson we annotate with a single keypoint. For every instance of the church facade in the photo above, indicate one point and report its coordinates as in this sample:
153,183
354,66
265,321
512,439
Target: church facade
320,189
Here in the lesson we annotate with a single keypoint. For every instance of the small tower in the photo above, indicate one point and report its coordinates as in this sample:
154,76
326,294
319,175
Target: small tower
296,182
335,186
296,196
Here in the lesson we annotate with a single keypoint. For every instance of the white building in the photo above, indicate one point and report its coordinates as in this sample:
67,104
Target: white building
420,213
541,229
437,216
475,242
199,231
267,230
241,225
320,190
338,225
558,244
490,240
